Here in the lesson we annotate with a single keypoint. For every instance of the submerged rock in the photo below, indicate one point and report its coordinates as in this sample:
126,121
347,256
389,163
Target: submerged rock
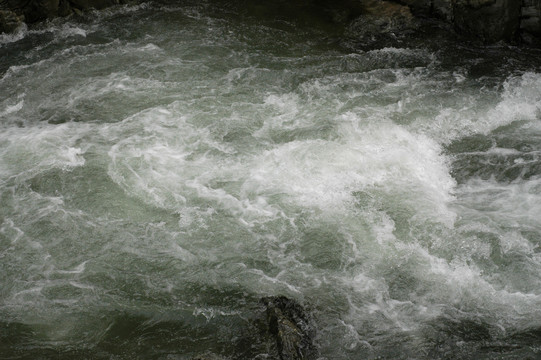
292,327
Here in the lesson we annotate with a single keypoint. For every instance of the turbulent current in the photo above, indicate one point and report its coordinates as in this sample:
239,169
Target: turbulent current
164,166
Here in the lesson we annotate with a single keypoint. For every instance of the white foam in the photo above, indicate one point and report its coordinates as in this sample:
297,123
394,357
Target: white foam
173,168
307,151
69,30
71,156
520,100
459,77
26,151
36,290
265,281
81,286
119,10
79,269
15,69
506,204
181,253
11,231
12,108
440,284
466,284
324,174
150,48
210,313
18,34
62,31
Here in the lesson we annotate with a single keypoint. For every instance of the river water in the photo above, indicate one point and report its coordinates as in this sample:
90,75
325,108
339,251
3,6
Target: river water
163,166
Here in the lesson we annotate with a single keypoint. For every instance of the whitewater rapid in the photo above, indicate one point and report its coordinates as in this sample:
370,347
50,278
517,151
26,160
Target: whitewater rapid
164,166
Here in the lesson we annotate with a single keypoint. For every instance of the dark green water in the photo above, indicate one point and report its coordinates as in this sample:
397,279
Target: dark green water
164,166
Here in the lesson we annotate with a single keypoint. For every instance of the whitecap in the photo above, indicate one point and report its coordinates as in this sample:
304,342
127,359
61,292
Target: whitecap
12,108
18,34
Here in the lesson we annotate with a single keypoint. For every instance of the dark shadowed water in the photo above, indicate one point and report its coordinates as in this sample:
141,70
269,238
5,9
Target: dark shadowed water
163,166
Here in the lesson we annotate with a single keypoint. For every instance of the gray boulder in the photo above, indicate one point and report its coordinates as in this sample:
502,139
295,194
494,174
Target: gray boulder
486,20
489,20
530,22
381,24
292,327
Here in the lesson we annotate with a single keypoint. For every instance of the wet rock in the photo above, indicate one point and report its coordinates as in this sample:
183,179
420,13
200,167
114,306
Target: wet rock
530,22
439,8
9,21
36,10
292,327
382,23
486,20
489,20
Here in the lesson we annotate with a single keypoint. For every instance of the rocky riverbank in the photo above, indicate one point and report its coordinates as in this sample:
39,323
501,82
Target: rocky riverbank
15,12
489,21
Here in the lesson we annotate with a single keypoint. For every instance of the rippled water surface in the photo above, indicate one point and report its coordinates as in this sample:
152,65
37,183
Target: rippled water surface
163,166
